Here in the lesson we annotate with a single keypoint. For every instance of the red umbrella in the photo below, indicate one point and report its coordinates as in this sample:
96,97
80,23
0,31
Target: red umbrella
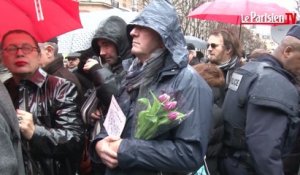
44,19
232,11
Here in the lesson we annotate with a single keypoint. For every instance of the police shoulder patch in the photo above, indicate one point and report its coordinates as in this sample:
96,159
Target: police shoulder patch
235,81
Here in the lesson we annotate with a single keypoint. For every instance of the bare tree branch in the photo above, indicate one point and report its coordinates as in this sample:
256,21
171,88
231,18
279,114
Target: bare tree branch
202,28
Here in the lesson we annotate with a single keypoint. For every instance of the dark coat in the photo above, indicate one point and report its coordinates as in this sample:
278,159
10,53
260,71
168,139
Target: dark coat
84,77
215,142
56,68
181,149
215,79
291,161
189,140
259,115
112,29
107,78
11,159
55,147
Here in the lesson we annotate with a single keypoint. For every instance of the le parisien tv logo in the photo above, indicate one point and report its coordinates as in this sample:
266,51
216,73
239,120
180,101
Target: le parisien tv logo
269,19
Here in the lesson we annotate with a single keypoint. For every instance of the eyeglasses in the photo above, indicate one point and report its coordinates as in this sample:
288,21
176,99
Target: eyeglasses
212,45
13,49
72,59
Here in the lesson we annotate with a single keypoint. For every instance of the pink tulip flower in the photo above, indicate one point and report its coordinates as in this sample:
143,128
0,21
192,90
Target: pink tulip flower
164,98
173,115
170,105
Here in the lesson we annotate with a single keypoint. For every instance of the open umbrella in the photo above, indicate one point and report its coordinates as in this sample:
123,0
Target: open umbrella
80,39
76,40
279,32
44,19
197,42
231,11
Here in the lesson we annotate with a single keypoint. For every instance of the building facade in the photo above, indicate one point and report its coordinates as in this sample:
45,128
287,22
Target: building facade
96,5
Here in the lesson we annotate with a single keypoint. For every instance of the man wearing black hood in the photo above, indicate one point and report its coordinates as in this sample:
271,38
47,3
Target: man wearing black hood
160,66
112,45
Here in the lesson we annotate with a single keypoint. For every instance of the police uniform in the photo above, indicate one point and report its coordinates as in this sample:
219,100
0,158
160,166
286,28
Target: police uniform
260,118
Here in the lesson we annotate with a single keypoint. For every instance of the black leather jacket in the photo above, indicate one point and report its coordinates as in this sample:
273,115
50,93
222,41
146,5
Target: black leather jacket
55,147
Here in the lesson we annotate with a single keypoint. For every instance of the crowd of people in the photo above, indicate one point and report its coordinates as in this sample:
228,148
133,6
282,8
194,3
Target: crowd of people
224,116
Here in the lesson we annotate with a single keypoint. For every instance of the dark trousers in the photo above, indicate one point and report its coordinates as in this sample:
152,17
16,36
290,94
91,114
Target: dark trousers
213,165
232,166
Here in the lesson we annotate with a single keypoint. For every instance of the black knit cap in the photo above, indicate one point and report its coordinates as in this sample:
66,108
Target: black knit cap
53,40
294,31
190,46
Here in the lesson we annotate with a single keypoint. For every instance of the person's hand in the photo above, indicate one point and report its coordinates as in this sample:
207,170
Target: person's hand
89,64
107,150
26,123
96,115
115,145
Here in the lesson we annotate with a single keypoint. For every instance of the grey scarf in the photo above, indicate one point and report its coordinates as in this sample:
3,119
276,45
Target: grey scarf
143,74
227,67
229,64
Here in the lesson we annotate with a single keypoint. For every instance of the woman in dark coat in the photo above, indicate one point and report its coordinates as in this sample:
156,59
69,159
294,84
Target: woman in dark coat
215,79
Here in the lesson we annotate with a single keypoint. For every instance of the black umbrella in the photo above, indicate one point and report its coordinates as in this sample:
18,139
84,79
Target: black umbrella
197,42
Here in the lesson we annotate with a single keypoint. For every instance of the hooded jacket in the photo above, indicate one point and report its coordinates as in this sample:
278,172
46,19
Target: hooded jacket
55,146
181,149
113,29
107,79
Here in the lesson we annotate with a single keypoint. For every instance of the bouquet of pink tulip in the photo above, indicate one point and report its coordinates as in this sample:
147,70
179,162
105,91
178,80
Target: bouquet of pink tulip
159,117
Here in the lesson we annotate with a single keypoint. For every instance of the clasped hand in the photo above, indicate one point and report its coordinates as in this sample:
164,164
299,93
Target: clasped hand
107,150
26,123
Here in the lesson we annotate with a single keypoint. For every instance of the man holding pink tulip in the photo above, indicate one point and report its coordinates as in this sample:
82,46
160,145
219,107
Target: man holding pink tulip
160,67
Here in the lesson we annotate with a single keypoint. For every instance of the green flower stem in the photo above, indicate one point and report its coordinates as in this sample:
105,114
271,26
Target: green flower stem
154,120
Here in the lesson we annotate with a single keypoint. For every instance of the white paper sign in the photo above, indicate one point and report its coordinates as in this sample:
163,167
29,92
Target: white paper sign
235,81
115,119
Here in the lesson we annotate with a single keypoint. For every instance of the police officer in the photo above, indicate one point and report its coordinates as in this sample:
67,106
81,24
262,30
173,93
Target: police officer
261,111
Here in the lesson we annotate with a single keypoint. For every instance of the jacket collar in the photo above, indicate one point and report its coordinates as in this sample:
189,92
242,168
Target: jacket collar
277,66
56,64
39,77
170,68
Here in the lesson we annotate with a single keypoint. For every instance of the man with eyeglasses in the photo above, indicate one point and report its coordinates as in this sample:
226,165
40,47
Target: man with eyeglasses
224,50
49,121
261,111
